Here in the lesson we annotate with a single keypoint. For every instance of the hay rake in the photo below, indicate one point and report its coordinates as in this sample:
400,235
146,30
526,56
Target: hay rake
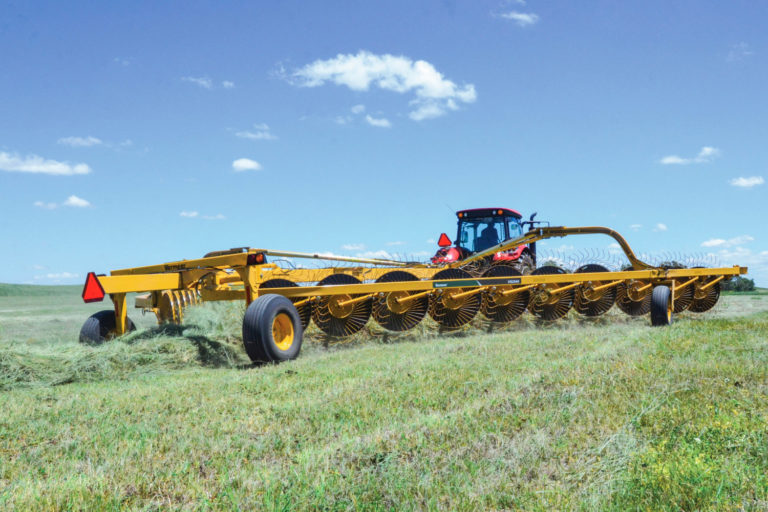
340,300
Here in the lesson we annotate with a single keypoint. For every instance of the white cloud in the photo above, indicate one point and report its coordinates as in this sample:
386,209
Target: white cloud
80,142
706,155
192,214
227,84
635,227
76,202
56,276
431,241
126,143
39,165
747,182
738,52
358,109
381,123
427,111
343,119
731,242
523,19
202,81
353,247
260,132
756,262
121,61
660,227
245,164
46,206
398,242
434,94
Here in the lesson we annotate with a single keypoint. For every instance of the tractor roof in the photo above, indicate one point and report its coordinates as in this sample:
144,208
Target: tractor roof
488,212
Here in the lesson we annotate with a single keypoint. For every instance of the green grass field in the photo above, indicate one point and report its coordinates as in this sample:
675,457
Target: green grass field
578,415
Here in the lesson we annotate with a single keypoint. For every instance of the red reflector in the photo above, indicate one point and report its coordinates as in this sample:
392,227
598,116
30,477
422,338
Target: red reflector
92,291
257,258
444,241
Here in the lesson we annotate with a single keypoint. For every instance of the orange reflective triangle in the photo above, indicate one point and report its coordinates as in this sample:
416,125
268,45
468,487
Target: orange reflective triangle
92,291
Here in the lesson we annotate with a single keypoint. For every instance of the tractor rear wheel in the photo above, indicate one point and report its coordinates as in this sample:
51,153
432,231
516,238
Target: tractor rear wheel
101,327
661,306
272,330
524,264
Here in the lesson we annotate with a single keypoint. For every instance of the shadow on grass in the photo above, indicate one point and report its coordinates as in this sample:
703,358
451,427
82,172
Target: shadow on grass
211,353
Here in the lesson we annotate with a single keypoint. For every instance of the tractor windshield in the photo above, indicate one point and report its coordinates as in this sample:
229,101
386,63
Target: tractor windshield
480,233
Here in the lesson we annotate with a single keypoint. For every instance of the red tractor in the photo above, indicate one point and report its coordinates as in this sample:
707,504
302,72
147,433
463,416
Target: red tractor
481,229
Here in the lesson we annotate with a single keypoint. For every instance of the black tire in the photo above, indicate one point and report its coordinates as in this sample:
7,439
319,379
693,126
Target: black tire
100,327
661,306
524,264
266,318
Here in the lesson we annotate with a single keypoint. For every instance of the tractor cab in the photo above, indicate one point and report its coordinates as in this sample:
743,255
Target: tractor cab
480,229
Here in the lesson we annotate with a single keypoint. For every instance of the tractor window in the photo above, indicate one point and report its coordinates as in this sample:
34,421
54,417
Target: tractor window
515,229
480,233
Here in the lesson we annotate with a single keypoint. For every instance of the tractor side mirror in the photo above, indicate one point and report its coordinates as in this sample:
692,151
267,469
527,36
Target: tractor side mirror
444,241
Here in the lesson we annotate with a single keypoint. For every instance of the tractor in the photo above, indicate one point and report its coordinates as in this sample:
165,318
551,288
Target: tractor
480,229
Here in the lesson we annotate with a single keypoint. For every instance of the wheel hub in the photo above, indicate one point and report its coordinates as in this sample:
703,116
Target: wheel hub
450,301
394,304
282,331
337,308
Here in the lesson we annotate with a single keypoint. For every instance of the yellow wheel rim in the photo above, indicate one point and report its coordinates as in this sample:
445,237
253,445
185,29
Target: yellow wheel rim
670,308
282,331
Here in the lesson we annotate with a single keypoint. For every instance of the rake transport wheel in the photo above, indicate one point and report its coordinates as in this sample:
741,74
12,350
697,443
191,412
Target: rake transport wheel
305,309
100,327
335,318
394,315
705,299
272,330
546,304
591,302
498,306
661,306
631,300
451,313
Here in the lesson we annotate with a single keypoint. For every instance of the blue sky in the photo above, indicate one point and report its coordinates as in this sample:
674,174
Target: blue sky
135,133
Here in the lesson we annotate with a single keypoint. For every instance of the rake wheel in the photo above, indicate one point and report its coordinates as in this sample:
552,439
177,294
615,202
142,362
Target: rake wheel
169,308
305,310
589,302
335,319
498,307
396,316
632,302
704,300
547,305
452,314
684,298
